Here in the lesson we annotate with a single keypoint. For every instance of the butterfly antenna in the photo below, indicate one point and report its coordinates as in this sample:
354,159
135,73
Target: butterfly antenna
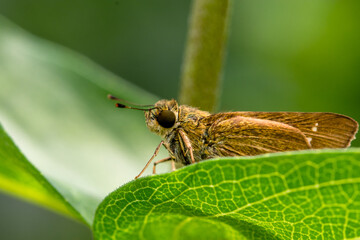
120,105
124,101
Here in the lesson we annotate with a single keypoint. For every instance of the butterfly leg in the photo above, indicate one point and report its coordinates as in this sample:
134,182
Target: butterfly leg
164,160
152,157
187,144
173,168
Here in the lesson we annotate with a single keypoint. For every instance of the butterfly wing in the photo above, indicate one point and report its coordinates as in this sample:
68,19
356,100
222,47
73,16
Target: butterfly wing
323,130
252,133
242,136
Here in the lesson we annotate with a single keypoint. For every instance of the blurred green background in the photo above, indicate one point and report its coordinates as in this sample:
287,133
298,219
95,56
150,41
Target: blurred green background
282,56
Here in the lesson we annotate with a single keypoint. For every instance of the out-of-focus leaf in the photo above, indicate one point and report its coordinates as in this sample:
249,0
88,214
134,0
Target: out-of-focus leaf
53,104
19,177
296,195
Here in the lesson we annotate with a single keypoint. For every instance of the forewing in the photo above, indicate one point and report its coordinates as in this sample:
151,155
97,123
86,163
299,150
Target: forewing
323,130
238,135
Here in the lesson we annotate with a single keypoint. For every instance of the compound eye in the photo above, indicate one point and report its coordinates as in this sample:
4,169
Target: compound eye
166,118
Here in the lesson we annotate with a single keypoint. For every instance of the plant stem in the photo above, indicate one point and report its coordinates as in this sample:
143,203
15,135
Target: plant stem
201,72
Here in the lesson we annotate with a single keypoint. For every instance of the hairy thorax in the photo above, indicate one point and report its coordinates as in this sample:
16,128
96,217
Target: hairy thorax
188,120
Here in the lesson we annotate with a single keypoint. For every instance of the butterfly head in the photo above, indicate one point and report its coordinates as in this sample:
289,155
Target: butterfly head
163,117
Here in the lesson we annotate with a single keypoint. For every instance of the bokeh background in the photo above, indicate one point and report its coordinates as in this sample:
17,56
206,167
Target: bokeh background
282,56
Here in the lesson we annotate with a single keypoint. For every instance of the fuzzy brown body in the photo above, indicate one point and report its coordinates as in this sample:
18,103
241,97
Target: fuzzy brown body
196,135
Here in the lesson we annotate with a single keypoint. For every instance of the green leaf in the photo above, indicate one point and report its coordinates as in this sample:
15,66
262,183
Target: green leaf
54,106
19,177
296,195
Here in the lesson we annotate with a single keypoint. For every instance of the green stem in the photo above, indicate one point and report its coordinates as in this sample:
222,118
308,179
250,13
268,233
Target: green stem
201,73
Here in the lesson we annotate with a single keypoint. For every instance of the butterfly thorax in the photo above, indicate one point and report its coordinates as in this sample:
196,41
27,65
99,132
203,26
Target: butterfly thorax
189,122
187,119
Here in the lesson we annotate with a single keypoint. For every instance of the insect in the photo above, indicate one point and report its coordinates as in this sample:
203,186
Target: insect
191,135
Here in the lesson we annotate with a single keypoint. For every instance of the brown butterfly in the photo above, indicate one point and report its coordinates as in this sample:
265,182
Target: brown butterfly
191,135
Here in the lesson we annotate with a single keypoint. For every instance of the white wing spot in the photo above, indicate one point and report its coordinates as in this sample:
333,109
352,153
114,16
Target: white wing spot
309,139
315,128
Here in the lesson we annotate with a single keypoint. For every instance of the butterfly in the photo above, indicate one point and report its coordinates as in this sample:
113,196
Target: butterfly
191,135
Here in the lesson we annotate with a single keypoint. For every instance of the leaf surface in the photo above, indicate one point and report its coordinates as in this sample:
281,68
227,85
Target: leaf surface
54,106
308,195
19,177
